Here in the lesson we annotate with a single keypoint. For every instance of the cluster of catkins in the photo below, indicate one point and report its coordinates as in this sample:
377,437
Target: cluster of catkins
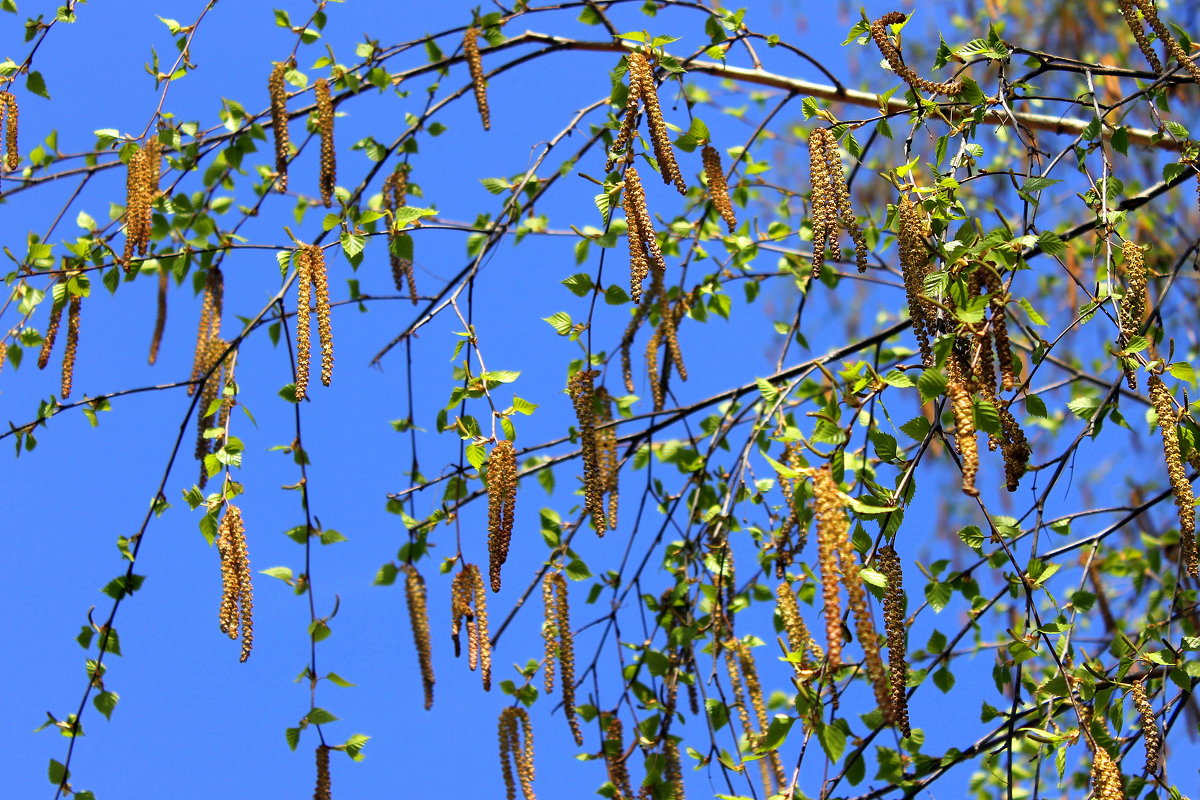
598,448
395,197
516,749
831,209
747,696
72,303
468,602
560,645
237,596
1171,45
141,190
312,277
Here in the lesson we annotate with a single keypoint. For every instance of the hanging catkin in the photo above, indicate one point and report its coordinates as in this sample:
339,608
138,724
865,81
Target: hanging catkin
72,346
328,175
1106,775
644,252
237,595
303,321
141,189
418,617
8,105
324,789
959,394
211,307
622,144
395,197
660,138
892,56
160,316
279,122
893,625
502,501
468,600
320,282
580,388
832,527
1133,304
914,262
52,325
614,759
606,453
475,66
718,189
1139,34
740,664
516,749
1151,738
560,645
831,209
209,391
1181,487
1171,45
864,629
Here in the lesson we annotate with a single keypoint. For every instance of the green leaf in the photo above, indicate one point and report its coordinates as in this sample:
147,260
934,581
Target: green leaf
57,772
938,595
777,732
833,740
931,383
319,716
338,680
293,737
36,84
579,284
105,702
282,573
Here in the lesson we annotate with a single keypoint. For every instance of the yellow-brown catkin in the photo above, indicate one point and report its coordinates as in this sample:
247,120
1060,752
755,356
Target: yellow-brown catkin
560,645
614,759
1133,304
395,197
320,282
1106,776
141,190
52,326
211,307
1150,735
304,280
418,617
893,625
864,629
832,527
1139,34
324,790
606,454
160,316
892,56
209,391
914,262
660,136
673,768
1171,45
999,325
961,407
72,347
623,143
718,189
798,638
279,122
516,749
669,317
644,252
328,176
237,594
739,661
502,501
469,603
12,156
831,209
580,388
475,65
228,393
1181,487
657,391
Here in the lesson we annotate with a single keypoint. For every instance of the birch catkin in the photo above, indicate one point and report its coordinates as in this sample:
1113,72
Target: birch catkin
160,316
324,788
718,189
1181,487
832,527
614,759
831,210
660,138
141,189
237,595
892,56
475,66
560,644
893,624
623,142
502,500
644,252
580,388
418,617
1171,45
516,749
8,104
72,346
1133,304
395,197
1151,737
328,175
914,262
304,272
1139,35
469,602
52,326
279,122
211,307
